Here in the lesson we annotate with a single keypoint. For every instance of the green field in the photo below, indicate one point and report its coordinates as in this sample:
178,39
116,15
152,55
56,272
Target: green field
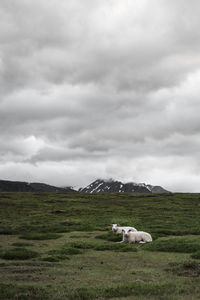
60,246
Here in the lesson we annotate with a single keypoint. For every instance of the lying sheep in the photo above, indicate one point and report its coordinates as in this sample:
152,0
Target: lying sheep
140,237
118,229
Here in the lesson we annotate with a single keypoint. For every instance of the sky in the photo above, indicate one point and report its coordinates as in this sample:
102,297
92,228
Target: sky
100,89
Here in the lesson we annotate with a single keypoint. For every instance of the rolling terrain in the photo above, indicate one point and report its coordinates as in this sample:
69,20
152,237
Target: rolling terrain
60,246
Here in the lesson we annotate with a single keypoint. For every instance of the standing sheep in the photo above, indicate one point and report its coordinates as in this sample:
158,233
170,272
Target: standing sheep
140,237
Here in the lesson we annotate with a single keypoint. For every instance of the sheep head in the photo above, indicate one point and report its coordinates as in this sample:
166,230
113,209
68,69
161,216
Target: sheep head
114,227
126,232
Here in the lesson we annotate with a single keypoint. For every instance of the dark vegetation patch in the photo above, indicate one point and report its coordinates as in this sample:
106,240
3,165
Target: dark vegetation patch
22,292
21,244
123,290
40,236
18,254
55,257
81,244
76,236
190,268
65,251
116,247
5,196
43,227
98,246
196,255
6,230
70,223
31,264
109,236
58,211
177,244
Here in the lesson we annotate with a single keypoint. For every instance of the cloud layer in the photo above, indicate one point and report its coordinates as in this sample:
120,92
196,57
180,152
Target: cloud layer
100,89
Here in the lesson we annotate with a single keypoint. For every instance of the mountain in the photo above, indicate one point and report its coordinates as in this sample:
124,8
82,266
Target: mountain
98,186
19,186
112,186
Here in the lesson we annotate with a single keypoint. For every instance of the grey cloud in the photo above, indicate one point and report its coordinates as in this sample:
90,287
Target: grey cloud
100,88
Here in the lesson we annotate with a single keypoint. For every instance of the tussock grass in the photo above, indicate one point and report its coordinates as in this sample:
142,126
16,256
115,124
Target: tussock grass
123,290
79,236
177,244
55,258
66,251
81,244
116,247
20,292
40,236
18,254
109,236
98,246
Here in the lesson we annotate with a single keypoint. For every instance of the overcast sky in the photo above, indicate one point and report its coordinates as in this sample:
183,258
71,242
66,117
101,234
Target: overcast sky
100,88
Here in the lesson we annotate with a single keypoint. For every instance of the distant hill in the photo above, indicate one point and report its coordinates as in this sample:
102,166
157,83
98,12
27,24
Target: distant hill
113,186
19,186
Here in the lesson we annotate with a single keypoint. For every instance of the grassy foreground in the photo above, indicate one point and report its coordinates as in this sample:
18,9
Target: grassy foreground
60,246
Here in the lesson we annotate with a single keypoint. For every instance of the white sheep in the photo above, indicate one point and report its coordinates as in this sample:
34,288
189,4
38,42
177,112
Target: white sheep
140,237
118,229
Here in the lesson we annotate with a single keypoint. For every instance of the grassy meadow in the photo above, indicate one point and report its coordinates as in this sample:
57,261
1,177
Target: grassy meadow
60,246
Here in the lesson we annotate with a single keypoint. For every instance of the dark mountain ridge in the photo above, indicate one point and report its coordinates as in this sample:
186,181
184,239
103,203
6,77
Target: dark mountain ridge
20,186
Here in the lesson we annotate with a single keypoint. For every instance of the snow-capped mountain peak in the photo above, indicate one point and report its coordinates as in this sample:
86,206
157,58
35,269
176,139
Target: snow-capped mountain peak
114,186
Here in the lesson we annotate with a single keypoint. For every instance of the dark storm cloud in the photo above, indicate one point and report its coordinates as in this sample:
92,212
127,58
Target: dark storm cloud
100,88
